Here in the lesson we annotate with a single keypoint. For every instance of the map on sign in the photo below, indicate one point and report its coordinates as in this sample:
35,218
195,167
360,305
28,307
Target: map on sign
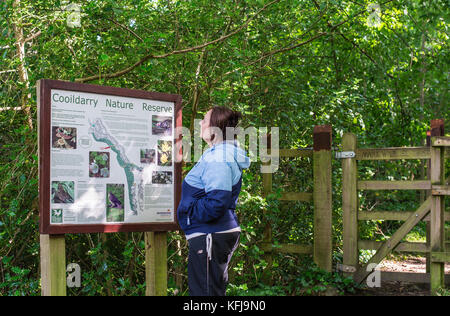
133,173
111,159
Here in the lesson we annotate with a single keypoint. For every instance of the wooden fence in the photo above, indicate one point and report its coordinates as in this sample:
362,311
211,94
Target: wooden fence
321,155
431,210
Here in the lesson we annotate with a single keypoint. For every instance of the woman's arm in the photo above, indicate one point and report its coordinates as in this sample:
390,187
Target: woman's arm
217,177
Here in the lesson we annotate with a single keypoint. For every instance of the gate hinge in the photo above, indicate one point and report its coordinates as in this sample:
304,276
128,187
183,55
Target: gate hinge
345,268
345,154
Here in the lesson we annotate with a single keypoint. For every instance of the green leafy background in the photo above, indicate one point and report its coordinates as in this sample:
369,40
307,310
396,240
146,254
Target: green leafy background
287,63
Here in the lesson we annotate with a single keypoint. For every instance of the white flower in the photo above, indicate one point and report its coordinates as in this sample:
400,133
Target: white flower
93,167
104,172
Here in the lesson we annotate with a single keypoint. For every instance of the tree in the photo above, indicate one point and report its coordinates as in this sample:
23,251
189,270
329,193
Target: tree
287,63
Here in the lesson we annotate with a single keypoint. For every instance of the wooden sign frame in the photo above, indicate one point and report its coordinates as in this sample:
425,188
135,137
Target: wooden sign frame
44,88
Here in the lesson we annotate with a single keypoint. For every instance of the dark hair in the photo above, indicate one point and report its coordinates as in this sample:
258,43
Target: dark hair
223,117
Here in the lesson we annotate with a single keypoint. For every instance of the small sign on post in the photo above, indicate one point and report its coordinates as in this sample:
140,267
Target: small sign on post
109,161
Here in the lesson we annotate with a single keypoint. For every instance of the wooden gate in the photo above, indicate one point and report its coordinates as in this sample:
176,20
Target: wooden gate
432,209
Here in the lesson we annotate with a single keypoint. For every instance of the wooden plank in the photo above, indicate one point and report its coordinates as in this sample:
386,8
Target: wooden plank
297,196
441,257
53,265
156,263
418,247
440,190
446,217
393,153
384,215
287,248
440,141
350,203
323,208
394,185
409,277
396,238
437,240
391,216
402,247
294,153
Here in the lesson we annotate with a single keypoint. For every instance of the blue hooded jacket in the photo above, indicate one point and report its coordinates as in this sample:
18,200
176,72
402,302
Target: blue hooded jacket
211,189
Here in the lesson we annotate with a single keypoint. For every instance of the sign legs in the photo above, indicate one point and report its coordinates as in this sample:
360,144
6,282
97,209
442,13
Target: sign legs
53,265
156,263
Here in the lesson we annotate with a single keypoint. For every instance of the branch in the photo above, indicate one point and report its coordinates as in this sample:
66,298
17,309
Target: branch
365,54
196,93
359,48
22,69
288,48
271,53
126,28
277,51
177,52
32,37
317,5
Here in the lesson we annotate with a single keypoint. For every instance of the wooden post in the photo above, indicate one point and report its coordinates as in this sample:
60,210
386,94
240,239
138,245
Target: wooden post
350,204
267,236
322,197
53,265
437,238
427,194
156,263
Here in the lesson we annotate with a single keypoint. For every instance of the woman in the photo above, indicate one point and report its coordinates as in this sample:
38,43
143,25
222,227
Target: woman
206,210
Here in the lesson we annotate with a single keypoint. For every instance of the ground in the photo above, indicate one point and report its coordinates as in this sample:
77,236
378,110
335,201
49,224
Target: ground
409,264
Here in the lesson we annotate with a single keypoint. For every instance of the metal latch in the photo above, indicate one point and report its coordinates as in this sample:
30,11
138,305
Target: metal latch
345,268
345,154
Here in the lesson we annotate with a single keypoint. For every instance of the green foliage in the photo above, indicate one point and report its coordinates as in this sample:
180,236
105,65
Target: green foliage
443,292
288,68
260,290
16,281
311,281
314,281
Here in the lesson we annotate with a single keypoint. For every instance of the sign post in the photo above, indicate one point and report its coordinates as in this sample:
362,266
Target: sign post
156,263
109,161
53,265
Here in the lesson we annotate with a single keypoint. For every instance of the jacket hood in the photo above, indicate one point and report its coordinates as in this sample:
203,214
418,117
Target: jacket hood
232,153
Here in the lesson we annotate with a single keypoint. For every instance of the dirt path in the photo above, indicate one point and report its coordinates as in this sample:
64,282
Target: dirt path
410,265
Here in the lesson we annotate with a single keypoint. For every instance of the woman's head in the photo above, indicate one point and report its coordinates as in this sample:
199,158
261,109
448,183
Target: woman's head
214,124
